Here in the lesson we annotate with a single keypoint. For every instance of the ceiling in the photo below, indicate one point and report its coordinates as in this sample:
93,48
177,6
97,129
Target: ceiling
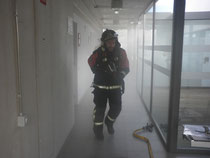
106,17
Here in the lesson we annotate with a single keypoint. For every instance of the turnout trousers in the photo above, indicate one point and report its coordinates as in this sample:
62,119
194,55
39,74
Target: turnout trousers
101,97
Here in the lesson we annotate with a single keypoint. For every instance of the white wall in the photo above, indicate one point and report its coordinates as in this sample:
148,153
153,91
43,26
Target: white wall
17,142
8,109
90,40
62,76
54,75
46,63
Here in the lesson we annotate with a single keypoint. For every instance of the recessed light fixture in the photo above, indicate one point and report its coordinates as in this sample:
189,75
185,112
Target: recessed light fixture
116,12
131,22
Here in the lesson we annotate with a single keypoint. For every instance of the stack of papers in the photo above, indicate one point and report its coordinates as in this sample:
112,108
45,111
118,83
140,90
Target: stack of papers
198,134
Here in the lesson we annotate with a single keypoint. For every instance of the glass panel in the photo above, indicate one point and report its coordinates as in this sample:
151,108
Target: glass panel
162,63
197,6
139,76
140,55
148,22
147,84
160,104
195,81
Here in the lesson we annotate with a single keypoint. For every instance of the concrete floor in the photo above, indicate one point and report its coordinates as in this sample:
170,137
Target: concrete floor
81,142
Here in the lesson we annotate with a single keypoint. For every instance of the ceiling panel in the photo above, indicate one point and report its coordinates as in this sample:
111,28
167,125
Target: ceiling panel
102,11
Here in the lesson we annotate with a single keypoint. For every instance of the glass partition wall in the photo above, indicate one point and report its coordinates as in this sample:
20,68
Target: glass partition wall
173,73
162,63
148,36
140,32
194,108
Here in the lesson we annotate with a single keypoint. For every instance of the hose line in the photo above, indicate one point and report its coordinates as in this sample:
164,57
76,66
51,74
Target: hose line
144,139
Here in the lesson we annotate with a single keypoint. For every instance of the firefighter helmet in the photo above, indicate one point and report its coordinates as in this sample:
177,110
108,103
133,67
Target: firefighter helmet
109,34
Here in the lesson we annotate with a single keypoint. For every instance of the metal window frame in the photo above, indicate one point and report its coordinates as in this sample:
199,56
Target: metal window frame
149,110
152,60
170,142
142,78
176,68
141,18
177,47
143,60
176,72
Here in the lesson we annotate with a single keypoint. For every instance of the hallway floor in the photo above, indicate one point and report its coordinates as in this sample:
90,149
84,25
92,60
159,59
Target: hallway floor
81,142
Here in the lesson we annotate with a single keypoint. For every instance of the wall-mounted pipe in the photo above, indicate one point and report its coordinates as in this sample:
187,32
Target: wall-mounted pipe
17,62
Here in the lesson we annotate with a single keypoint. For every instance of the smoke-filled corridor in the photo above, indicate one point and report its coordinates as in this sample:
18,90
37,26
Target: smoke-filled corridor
46,80
82,143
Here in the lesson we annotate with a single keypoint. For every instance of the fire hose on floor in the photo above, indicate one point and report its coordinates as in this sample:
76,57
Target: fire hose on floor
145,128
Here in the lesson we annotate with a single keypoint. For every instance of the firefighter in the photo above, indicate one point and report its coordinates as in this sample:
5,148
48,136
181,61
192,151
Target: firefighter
110,65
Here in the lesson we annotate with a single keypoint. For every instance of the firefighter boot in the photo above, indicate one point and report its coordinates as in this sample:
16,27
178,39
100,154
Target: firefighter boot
98,131
109,123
